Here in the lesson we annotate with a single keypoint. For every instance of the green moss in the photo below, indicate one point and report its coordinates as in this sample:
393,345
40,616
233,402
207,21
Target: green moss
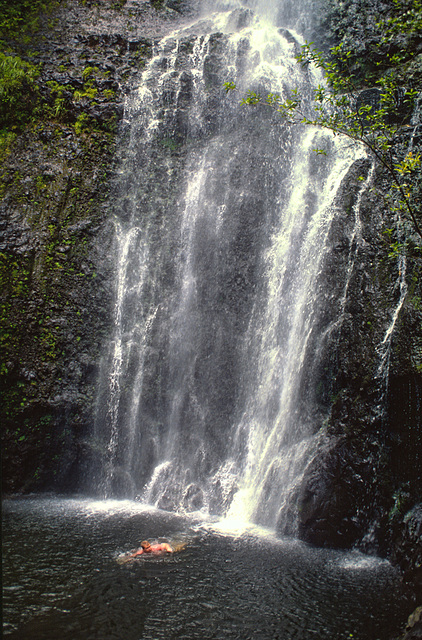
18,91
118,4
15,285
89,71
21,18
54,169
7,138
170,143
49,344
402,501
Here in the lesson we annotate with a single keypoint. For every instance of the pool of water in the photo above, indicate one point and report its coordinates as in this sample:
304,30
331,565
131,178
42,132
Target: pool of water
62,579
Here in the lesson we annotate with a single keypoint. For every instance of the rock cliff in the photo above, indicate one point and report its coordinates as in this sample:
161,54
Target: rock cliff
56,248
365,489
57,167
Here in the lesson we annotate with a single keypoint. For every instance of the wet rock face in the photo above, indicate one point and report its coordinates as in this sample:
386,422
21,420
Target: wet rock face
406,542
57,233
414,626
341,495
359,488
335,509
365,487
56,292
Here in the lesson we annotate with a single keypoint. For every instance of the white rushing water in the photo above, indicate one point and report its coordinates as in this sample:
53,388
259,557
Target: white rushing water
222,231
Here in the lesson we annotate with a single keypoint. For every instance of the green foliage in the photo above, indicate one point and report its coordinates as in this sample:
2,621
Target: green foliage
89,71
48,341
19,18
229,86
401,499
406,18
82,124
379,40
109,94
58,92
89,91
7,138
18,91
170,143
339,106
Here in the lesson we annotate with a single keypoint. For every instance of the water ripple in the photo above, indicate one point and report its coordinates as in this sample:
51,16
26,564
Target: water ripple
61,580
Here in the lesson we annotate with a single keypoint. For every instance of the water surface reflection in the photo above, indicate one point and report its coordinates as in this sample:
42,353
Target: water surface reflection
62,580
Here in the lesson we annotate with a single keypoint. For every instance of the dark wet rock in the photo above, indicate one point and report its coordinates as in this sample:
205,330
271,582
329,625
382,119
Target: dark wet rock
212,62
414,626
406,543
364,488
56,237
333,507
355,490
193,500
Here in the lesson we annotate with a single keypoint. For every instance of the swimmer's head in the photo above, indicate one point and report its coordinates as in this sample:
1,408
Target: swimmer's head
145,545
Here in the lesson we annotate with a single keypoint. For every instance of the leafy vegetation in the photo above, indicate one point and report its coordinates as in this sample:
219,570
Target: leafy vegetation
20,18
18,90
406,18
378,118
380,124
381,36
56,147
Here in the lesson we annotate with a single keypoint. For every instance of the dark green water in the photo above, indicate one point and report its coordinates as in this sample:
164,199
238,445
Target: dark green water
61,580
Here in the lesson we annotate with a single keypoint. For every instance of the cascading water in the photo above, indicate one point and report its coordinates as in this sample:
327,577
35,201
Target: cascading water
207,399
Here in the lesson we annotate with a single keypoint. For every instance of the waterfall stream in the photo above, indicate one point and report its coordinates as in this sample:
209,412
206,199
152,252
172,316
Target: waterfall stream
207,400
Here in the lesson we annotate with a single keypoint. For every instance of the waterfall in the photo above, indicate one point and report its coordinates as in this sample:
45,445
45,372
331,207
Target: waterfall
400,285
207,400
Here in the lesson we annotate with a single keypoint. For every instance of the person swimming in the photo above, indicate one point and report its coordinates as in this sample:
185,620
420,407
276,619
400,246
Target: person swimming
147,547
155,549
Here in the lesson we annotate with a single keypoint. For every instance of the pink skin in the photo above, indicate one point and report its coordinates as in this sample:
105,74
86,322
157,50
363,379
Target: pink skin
154,548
